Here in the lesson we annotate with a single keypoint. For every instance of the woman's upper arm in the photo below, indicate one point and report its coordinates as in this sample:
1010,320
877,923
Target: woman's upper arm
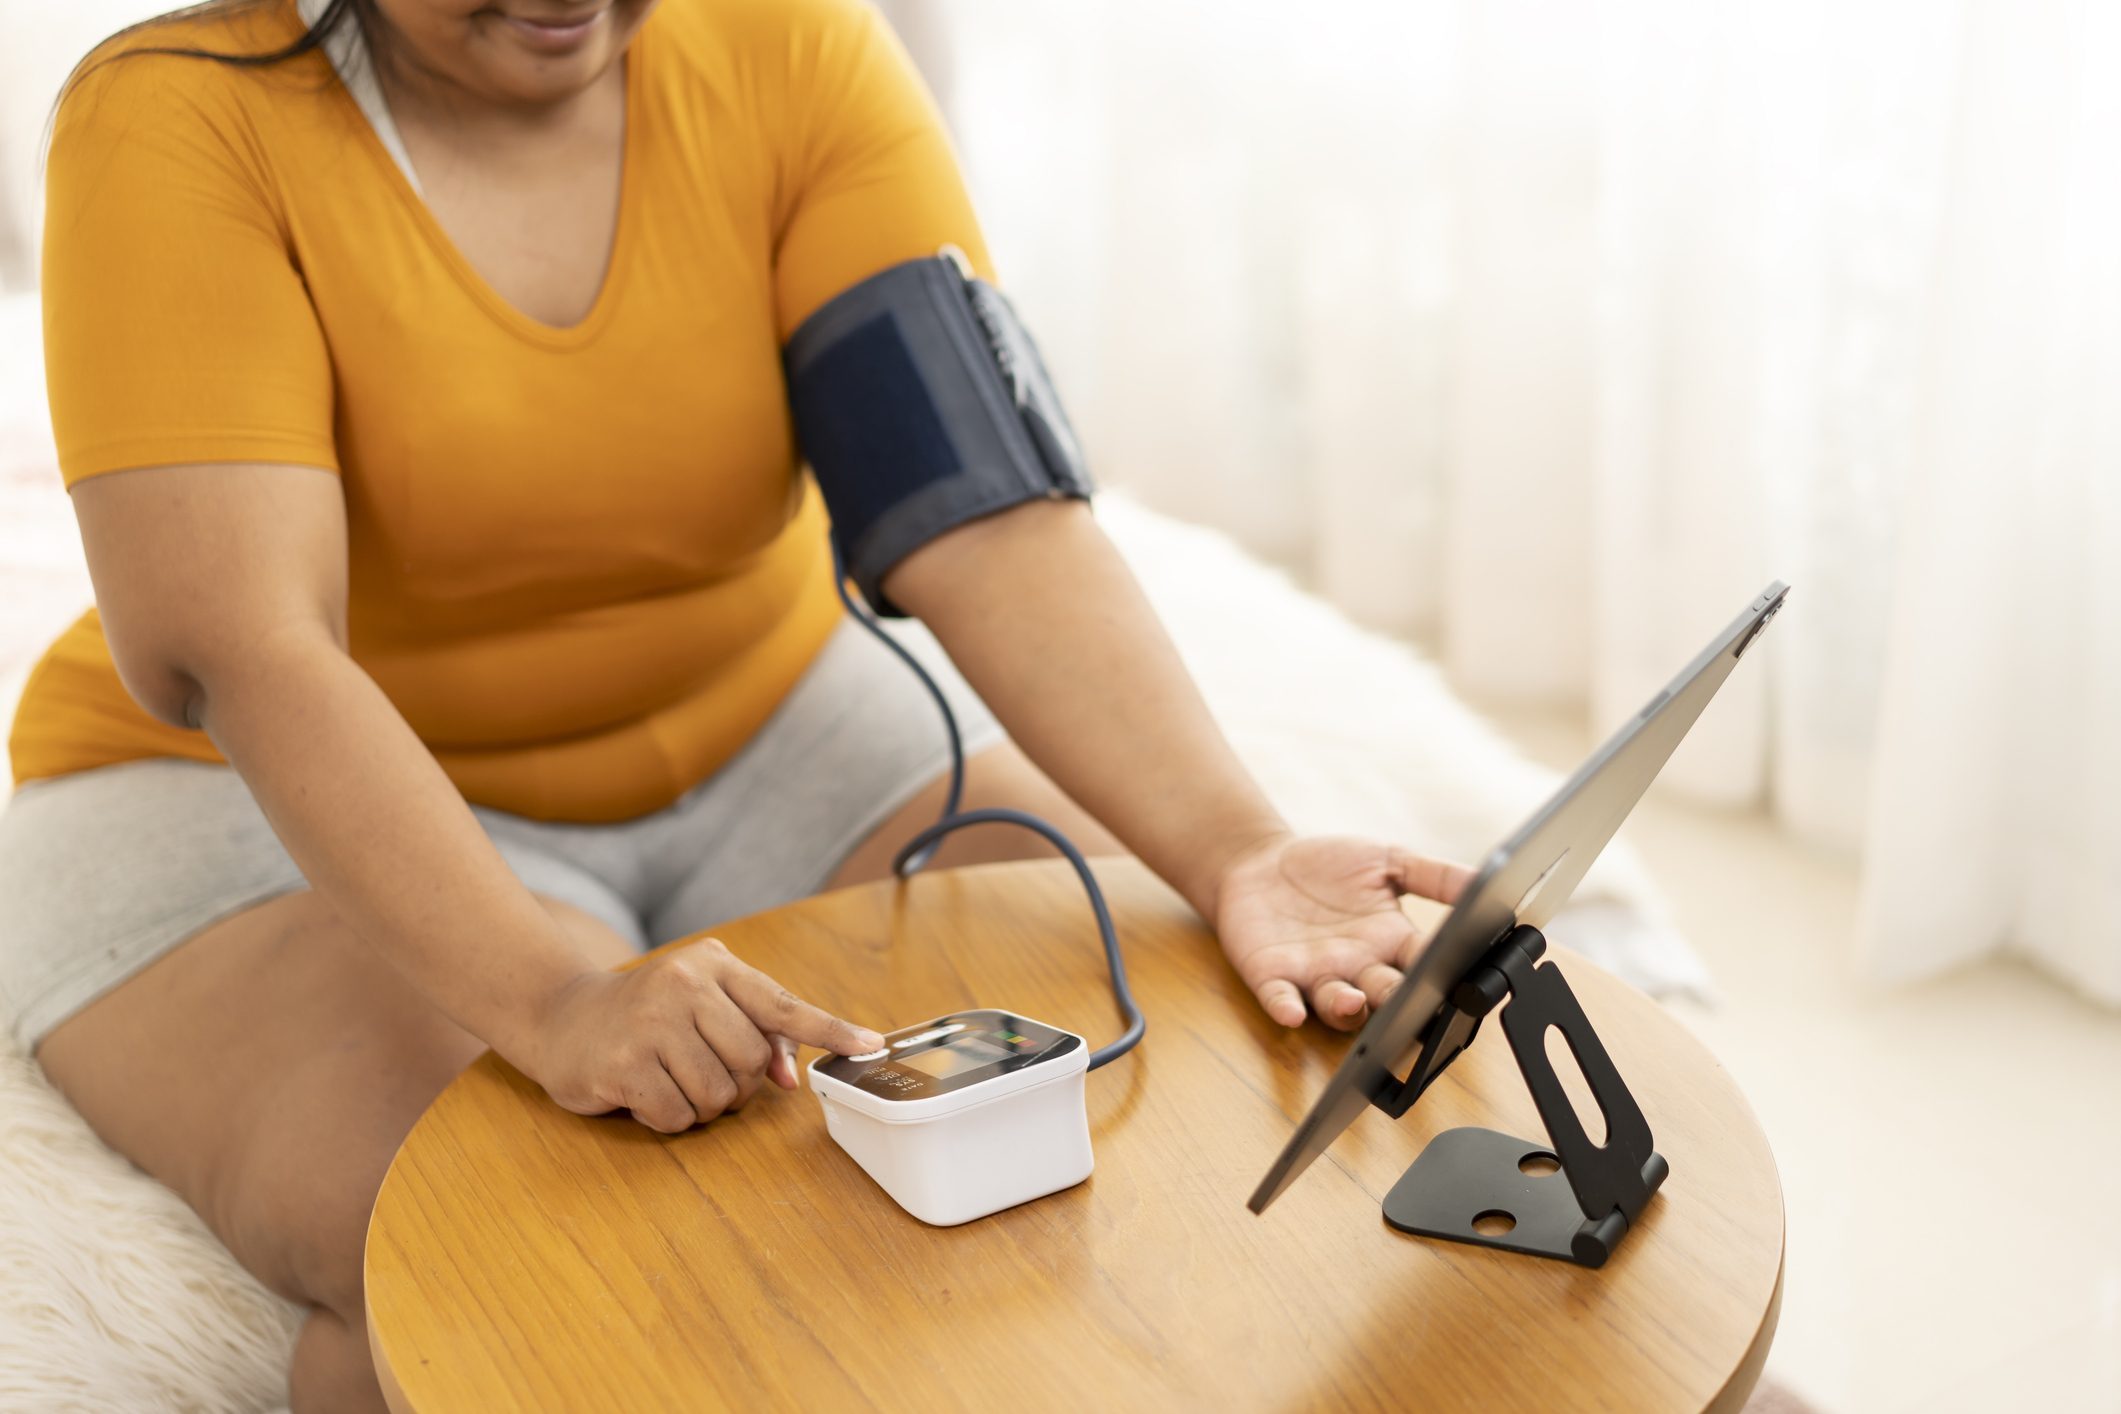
188,374
198,568
177,326
868,177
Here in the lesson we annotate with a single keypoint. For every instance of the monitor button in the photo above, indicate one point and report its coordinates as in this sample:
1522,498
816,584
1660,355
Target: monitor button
927,1036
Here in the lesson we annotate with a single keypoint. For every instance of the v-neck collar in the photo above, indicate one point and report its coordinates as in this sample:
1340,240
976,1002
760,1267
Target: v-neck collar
351,62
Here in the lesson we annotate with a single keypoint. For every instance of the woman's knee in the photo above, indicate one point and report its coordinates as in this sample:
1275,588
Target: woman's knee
266,1070
333,1369
293,1197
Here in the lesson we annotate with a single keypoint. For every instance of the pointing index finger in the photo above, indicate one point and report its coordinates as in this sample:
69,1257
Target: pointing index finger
777,1011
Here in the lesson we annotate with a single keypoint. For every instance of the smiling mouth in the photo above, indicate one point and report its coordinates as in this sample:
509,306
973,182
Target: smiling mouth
558,33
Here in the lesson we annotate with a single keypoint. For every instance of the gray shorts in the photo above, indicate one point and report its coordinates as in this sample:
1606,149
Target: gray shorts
103,872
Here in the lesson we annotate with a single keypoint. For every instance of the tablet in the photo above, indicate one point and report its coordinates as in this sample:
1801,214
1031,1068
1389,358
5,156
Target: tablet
1524,880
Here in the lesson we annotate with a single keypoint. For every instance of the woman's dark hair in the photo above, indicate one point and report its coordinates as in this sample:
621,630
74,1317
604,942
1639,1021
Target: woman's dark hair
336,16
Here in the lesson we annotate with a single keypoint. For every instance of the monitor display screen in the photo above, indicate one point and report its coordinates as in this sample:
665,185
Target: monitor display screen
957,1056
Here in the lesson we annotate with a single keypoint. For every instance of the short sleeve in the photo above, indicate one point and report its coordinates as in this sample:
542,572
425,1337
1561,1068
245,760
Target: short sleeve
176,326
868,176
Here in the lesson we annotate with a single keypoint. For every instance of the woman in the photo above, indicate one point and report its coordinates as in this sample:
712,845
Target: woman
464,623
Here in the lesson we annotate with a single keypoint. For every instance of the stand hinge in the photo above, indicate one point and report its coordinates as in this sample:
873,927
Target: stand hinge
1471,1178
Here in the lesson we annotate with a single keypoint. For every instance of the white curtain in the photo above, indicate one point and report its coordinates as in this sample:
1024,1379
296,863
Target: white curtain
1548,332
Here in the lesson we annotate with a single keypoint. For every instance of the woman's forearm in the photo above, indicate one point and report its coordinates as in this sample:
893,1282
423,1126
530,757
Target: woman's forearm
1047,623
381,833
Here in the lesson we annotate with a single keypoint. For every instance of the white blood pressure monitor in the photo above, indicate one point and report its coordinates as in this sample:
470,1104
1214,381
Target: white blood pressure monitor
964,1115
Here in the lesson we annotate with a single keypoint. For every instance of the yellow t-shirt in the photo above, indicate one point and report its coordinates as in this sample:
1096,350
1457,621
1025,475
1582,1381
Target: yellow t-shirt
584,563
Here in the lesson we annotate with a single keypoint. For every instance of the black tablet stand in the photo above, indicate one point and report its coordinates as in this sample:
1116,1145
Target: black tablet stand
1579,1211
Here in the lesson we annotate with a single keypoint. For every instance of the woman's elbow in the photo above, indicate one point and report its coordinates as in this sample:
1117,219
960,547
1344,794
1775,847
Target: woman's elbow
165,682
174,675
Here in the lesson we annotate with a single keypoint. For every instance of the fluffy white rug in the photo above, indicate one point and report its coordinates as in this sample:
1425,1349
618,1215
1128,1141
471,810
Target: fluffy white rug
114,1297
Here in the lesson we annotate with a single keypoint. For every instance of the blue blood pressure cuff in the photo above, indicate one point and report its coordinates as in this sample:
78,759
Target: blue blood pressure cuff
921,403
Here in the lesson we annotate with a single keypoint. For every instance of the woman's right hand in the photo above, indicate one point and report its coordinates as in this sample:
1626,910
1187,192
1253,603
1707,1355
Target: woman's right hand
678,1039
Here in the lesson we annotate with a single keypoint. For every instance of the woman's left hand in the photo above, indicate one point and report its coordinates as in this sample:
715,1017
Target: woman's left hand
1317,919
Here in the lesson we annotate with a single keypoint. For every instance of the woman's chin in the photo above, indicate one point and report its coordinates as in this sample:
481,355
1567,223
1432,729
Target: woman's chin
524,64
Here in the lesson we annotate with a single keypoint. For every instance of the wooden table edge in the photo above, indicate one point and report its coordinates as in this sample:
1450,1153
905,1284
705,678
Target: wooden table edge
1739,1387
1745,1377
393,1392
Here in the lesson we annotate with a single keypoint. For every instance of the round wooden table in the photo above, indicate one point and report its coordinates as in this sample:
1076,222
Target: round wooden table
521,1257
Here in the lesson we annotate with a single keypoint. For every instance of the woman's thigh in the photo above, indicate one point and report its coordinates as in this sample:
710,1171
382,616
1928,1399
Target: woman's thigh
267,1070
851,764
1000,777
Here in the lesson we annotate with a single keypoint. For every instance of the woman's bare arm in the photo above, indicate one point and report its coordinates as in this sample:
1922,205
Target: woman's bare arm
1047,623
222,590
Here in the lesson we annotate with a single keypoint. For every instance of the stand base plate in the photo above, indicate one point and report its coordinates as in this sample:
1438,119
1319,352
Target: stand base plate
1468,1174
